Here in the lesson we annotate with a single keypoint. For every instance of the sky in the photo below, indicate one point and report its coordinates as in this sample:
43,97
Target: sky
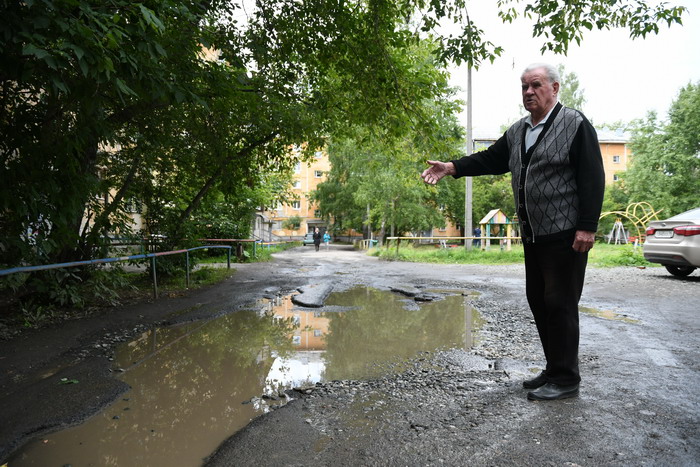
621,78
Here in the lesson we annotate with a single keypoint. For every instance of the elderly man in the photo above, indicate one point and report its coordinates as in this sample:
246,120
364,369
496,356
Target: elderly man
558,183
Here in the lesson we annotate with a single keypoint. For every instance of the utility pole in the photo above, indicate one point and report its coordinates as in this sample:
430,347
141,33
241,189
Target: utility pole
468,180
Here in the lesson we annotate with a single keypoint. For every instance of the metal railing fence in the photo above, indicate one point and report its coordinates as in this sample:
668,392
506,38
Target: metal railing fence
484,245
151,256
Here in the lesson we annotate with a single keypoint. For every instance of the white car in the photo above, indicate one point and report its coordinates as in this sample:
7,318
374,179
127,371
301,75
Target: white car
675,243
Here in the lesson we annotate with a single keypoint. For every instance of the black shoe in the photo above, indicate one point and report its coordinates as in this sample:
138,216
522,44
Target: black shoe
536,382
552,392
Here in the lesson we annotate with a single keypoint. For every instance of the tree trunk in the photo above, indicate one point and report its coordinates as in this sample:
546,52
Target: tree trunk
382,232
196,201
102,221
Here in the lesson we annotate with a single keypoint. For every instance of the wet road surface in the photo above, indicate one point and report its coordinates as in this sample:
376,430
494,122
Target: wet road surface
639,403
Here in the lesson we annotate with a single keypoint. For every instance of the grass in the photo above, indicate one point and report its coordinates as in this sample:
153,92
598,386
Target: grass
262,254
602,255
201,277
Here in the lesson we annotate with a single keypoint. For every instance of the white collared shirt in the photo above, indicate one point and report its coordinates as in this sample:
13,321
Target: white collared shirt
532,133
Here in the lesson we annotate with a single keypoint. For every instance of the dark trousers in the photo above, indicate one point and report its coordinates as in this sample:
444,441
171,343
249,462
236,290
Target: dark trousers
554,275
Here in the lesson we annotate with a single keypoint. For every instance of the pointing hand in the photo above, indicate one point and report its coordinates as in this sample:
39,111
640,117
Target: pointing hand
436,171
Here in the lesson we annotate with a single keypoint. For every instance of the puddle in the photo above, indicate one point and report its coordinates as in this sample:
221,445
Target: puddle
608,314
195,385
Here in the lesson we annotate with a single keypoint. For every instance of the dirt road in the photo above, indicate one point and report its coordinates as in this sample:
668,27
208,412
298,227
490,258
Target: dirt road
639,402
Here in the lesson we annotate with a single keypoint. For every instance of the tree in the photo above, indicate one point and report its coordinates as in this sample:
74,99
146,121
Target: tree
665,168
80,77
373,184
488,192
570,92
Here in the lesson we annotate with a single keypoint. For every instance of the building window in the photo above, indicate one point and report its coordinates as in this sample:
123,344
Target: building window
297,167
318,314
296,340
442,229
616,177
317,213
296,204
318,173
297,184
318,333
616,159
318,154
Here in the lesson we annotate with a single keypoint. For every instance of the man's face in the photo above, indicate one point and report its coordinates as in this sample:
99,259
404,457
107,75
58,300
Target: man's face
539,95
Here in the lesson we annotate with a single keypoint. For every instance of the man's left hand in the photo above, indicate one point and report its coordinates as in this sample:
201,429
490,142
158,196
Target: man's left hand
583,241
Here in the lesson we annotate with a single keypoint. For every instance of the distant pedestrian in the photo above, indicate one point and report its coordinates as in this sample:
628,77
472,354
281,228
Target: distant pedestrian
327,240
477,241
317,239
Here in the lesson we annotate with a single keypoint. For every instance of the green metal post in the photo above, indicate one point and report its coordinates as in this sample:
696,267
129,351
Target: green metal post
187,269
155,278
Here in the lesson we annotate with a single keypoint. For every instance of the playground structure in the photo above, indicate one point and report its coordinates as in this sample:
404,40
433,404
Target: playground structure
492,226
618,234
638,214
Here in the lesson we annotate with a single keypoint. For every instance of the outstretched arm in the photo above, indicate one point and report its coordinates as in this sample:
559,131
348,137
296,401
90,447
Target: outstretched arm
437,171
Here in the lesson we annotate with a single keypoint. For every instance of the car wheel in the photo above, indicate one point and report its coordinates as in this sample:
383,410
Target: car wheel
680,271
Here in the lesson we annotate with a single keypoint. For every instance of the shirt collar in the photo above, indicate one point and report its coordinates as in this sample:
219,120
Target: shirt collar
528,120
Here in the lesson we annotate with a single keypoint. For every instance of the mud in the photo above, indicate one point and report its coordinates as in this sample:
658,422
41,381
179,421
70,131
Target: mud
639,403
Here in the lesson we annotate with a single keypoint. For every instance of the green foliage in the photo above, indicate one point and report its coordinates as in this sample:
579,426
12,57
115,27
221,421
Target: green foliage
615,199
665,169
604,255
44,296
564,23
374,182
570,92
292,223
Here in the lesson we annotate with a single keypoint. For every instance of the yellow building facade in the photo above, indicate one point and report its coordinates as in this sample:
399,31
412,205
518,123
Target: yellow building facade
306,178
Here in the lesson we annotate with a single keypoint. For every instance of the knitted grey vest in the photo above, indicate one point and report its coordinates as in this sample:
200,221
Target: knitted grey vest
551,197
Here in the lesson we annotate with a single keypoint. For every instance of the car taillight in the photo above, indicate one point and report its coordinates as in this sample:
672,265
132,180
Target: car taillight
687,230
651,231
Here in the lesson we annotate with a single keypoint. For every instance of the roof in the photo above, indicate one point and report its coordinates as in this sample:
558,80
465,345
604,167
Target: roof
495,216
613,136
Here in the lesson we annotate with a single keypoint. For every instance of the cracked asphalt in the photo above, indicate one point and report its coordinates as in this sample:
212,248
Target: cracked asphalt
639,401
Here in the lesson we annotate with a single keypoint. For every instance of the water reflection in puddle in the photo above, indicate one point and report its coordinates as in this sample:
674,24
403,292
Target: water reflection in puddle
607,314
195,385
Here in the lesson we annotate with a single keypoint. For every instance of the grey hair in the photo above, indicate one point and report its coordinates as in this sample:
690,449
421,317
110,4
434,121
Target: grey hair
551,72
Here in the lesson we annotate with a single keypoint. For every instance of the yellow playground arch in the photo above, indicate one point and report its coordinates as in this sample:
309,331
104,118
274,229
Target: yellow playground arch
639,214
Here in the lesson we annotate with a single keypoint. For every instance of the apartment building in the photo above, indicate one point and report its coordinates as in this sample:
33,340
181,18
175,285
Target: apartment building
614,146
307,176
